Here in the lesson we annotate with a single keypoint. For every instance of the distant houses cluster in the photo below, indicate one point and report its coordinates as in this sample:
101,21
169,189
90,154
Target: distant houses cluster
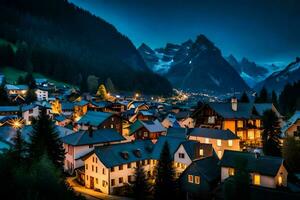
105,140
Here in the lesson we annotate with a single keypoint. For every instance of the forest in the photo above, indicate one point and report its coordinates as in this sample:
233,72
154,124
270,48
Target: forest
66,43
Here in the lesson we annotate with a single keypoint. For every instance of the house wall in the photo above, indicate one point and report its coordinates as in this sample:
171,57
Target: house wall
224,144
188,122
28,114
97,173
181,163
41,95
292,129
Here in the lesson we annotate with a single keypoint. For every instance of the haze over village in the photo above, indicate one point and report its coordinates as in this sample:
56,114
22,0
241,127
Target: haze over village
149,99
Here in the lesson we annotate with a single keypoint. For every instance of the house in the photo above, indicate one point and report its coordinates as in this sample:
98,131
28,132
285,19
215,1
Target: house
80,108
65,108
265,171
14,90
145,115
9,110
102,106
41,82
184,119
99,120
170,121
221,140
42,94
147,129
200,178
61,120
82,142
242,119
29,112
110,167
188,151
292,126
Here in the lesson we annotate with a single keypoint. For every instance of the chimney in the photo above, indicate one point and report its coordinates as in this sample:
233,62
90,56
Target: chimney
90,131
234,103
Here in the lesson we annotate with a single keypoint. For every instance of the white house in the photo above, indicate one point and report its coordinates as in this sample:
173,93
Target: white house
80,143
265,171
41,94
29,112
112,166
292,126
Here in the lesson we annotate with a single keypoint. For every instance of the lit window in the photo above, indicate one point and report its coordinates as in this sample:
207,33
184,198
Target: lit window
219,143
240,124
240,134
201,152
250,134
230,143
256,179
197,179
145,134
280,180
220,154
206,140
191,178
112,119
230,171
257,122
111,126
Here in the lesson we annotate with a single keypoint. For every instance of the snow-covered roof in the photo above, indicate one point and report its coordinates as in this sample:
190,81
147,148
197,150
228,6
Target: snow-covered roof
291,121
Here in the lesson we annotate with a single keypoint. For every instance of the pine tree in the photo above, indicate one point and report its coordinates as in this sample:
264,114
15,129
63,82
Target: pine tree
165,184
30,81
291,153
19,149
274,99
44,139
4,100
30,96
110,86
270,135
263,96
140,185
244,98
102,92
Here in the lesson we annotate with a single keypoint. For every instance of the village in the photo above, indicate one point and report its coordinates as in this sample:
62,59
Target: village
107,136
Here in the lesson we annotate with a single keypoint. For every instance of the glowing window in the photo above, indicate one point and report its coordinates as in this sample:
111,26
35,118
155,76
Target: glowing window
256,179
219,143
230,143
201,152
280,180
250,134
240,124
220,154
230,171
206,140
191,178
197,179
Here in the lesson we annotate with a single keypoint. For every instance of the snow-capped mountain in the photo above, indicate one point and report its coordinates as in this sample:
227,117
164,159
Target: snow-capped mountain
277,80
195,65
249,71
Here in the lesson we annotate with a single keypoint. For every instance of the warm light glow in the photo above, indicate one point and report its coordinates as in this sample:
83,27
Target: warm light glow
256,179
16,123
137,95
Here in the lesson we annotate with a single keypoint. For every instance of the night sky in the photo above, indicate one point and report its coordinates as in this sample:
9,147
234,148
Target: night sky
261,30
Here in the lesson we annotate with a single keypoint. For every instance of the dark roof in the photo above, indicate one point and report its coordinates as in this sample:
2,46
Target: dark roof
213,133
206,167
60,118
173,142
262,107
81,103
266,165
118,154
244,110
151,126
9,108
177,132
67,106
98,136
182,115
192,148
94,118
101,104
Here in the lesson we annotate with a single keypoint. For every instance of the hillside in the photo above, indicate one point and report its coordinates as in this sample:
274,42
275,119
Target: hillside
277,80
67,43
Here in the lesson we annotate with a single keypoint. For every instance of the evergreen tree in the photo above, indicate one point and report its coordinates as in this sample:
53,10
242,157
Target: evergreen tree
270,135
140,185
238,186
244,98
289,99
6,55
30,81
4,100
44,139
291,153
263,96
274,99
20,80
30,96
92,83
19,149
110,86
102,92
165,184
